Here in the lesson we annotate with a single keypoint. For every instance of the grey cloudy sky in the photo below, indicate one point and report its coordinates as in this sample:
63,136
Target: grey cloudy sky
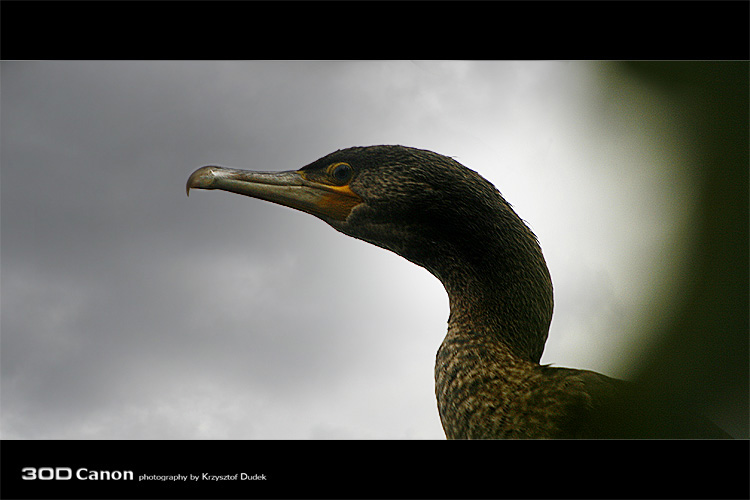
132,311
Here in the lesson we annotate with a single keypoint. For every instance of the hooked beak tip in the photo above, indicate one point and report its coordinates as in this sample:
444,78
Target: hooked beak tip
202,178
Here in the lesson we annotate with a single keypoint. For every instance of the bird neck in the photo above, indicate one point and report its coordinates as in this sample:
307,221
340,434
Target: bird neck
499,288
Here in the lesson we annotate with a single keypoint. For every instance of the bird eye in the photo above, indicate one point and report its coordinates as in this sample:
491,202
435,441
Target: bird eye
341,172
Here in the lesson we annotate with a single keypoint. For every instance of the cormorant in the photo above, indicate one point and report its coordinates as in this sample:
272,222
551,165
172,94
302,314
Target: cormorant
442,216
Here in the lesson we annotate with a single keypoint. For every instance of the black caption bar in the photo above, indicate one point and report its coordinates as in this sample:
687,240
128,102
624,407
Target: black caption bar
375,469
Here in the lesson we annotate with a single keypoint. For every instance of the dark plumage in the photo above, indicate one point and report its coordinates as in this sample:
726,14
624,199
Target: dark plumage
448,219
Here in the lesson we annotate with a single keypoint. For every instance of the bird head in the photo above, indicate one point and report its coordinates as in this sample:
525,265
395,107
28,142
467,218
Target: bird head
407,200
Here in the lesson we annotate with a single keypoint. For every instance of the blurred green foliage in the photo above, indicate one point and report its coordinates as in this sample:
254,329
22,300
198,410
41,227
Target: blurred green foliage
702,355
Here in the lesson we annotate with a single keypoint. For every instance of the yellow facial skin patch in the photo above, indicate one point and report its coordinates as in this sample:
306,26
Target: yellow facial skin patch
338,202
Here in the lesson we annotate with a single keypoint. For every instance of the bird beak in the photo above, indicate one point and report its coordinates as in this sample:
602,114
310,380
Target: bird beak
289,188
